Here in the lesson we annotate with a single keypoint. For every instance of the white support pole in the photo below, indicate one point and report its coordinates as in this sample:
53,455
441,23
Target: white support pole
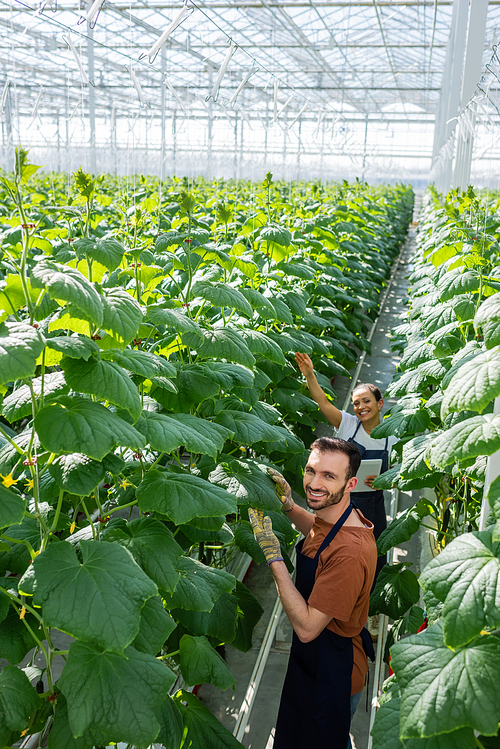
451,88
163,117
478,11
90,57
492,472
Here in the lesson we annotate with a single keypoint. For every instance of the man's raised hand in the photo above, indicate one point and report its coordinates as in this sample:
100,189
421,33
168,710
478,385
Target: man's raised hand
282,489
263,532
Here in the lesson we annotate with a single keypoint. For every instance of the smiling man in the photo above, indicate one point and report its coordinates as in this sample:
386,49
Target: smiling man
328,604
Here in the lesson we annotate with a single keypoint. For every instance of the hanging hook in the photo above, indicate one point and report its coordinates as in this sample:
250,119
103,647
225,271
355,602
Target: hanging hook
92,14
230,52
181,16
85,78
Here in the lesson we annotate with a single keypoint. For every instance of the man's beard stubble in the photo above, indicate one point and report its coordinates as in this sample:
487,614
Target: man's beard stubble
332,499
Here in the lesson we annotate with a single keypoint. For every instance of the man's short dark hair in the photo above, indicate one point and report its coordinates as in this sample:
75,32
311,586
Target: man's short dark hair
336,445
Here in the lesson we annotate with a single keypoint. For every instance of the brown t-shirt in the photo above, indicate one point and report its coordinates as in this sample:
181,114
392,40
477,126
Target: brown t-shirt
344,578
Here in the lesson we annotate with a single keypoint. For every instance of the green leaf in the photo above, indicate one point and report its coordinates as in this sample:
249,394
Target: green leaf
68,285
437,317
192,387
248,428
491,333
77,424
465,576
18,700
410,381
257,300
136,683
227,344
475,384
247,543
479,435
20,347
387,479
141,363
402,421
153,547
415,451
457,281
299,270
290,344
15,639
259,343
112,584
249,484
249,613
12,507
61,735
201,664
203,729
403,527
199,586
385,731
167,433
430,675
227,375
396,590
171,725
122,315
293,400
281,312
75,346
488,311
173,318
155,628
275,233
182,497
220,622
106,380
416,354
77,473
222,295
108,252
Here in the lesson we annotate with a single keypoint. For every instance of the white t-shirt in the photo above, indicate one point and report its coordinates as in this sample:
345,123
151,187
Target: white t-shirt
348,427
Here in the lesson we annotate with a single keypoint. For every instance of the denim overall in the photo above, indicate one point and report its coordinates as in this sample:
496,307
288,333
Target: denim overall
315,703
371,504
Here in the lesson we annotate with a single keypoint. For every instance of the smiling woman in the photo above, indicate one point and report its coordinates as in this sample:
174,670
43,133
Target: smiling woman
367,404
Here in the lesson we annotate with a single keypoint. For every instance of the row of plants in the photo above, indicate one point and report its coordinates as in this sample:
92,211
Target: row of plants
445,691
146,339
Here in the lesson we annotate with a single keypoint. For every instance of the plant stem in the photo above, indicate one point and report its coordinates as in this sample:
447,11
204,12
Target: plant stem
88,517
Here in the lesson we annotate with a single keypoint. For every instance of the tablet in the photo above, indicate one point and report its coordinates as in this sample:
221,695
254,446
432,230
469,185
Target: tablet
367,468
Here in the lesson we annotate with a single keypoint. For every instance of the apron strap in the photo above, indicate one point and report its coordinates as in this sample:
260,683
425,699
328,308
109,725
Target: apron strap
333,532
356,430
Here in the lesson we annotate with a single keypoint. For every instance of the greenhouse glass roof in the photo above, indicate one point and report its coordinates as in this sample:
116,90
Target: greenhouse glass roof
365,75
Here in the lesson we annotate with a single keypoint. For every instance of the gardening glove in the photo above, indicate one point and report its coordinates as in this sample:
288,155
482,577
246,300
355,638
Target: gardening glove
282,489
263,532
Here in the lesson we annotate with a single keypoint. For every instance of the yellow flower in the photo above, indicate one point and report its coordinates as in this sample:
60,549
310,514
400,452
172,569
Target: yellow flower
29,484
8,480
124,484
72,527
23,612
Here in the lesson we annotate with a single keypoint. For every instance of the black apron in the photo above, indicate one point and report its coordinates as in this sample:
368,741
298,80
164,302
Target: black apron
372,504
315,702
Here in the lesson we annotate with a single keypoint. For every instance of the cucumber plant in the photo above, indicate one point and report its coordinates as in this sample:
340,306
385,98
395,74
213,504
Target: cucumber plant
445,691
146,340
